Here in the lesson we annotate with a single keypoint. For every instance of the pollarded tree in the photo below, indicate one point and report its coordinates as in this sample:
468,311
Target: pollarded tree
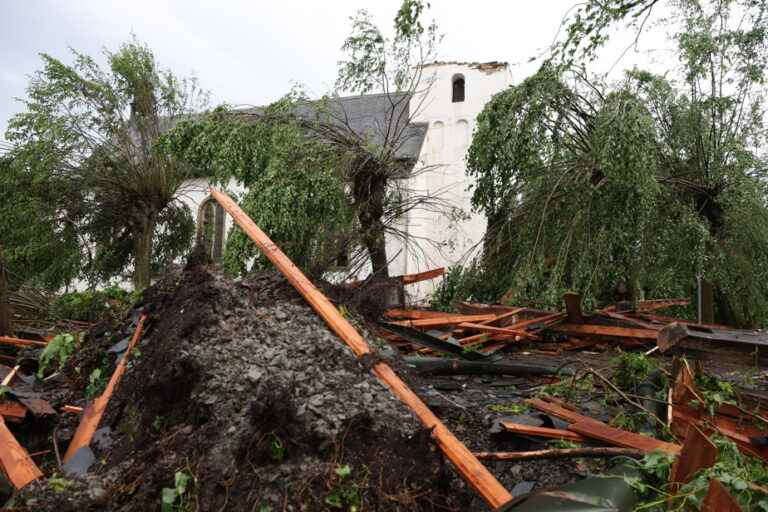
87,134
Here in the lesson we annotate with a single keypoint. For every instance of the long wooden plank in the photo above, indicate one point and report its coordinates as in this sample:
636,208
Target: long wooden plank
605,330
619,437
444,320
496,330
12,410
466,463
552,433
413,314
16,462
18,342
422,276
93,412
558,411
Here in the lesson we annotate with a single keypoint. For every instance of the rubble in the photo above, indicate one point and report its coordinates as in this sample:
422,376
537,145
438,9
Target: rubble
260,394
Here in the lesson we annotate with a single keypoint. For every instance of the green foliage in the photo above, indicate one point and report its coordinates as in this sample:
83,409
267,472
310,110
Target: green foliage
57,351
40,248
97,381
176,499
509,408
742,475
630,369
562,444
58,483
85,145
588,188
294,189
344,494
91,305
571,389
714,391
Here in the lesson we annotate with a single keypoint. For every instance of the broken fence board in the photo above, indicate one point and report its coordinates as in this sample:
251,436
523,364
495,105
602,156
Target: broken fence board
605,330
12,410
422,276
558,411
93,412
617,436
553,433
497,330
16,462
473,472
443,320
18,342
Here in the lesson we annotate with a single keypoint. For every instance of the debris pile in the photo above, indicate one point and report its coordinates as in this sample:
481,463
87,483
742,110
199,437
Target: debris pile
261,394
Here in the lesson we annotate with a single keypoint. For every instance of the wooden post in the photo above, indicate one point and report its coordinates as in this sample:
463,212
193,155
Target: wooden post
466,463
573,307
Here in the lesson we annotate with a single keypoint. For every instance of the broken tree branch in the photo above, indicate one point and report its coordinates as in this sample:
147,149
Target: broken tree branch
562,453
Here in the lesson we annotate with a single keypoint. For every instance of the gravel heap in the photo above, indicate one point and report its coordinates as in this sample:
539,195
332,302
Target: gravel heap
241,386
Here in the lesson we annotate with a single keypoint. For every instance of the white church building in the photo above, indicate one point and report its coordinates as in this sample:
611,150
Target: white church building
443,118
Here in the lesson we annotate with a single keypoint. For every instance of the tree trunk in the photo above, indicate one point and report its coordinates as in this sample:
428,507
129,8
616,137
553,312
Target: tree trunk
5,306
369,189
142,255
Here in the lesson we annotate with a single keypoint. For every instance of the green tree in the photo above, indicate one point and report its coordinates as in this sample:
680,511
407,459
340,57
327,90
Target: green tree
294,190
87,140
649,182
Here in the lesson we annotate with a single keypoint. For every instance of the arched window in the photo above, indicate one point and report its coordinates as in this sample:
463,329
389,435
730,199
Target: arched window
458,89
210,228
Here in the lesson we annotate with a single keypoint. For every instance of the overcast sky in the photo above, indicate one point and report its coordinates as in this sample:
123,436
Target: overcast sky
251,52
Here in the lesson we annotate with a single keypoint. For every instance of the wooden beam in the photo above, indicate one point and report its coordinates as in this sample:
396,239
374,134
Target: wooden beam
619,437
558,411
14,459
10,409
561,453
473,472
413,314
93,412
552,433
422,276
18,342
497,330
444,320
605,330
73,409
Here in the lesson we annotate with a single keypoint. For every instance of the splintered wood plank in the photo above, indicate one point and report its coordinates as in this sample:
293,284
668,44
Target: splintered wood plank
16,462
93,412
422,276
605,330
444,320
718,499
413,314
18,342
616,436
473,472
558,411
552,433
698,453
496,330
12,410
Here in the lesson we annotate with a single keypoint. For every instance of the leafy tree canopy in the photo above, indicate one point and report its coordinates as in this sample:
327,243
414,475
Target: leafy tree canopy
293,187
86,141
643,184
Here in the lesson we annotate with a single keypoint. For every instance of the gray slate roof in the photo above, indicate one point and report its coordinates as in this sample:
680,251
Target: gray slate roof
379,118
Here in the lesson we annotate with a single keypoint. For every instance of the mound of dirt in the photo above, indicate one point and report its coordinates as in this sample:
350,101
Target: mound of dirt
240,386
